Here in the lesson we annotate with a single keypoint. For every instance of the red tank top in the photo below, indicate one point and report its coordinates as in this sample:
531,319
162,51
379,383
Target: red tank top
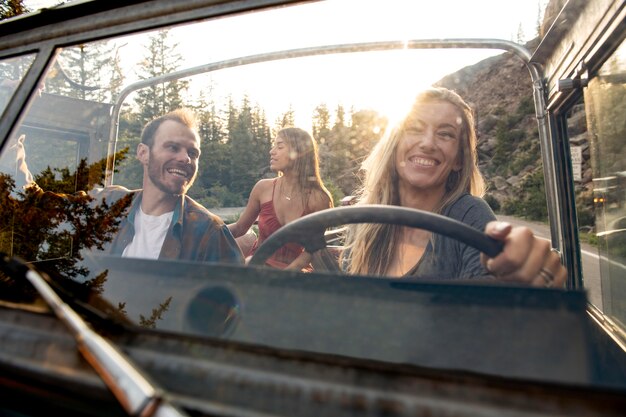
268,224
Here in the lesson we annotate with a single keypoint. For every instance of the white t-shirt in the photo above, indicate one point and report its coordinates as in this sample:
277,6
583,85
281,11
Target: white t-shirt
149,236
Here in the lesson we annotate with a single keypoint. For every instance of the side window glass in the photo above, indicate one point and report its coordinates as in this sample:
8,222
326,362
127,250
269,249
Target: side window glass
580,153
59,133
602,210
12,70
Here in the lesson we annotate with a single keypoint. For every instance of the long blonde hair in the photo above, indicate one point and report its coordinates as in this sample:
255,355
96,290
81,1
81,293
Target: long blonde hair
371,246
305,161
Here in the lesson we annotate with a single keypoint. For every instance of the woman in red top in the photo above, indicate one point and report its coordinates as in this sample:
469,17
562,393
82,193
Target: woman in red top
298,190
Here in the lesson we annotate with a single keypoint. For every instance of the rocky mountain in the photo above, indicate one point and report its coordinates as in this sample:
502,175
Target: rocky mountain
499,90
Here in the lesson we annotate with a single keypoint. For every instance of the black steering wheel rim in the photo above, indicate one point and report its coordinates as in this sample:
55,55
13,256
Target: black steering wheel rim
308,231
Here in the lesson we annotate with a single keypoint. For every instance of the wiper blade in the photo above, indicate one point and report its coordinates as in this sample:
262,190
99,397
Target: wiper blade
137,395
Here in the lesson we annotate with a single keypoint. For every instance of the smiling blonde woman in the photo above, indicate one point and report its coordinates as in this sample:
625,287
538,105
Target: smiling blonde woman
428,162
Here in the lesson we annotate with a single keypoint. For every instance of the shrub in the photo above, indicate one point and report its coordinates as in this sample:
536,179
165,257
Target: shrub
498,111
335,192
526,106
531,203
493,202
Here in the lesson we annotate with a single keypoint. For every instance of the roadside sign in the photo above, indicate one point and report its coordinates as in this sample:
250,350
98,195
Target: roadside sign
577,162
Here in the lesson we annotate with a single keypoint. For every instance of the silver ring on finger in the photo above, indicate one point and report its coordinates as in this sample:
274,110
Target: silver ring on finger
548,277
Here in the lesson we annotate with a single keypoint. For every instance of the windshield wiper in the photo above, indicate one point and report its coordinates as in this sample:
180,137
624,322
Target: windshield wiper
137,395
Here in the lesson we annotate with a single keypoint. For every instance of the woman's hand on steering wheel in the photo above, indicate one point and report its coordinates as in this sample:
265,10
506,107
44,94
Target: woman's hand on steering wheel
525,258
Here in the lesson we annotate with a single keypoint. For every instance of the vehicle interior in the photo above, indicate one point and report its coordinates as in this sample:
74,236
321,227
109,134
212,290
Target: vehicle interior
251,340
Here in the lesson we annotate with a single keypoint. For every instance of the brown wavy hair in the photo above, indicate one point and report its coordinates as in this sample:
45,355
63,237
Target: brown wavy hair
305,161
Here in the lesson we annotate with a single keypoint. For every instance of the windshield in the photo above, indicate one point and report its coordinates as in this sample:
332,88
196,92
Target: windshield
88,166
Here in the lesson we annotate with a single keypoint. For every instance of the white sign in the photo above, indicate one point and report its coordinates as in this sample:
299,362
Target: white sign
577,162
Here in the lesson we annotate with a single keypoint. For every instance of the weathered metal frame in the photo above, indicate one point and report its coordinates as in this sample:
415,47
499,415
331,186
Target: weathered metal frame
331,381
555,207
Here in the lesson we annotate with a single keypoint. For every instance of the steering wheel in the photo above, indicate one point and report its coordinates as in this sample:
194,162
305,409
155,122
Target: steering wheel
308,231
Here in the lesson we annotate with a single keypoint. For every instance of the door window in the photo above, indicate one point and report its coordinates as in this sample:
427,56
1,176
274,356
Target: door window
602,185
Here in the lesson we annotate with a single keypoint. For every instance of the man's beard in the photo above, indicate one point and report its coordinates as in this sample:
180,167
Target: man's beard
155,172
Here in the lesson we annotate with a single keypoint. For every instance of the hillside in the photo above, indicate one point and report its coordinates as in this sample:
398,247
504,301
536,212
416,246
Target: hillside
500,92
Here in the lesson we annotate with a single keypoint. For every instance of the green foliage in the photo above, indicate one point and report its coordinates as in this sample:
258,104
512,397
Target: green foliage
531,202
161,58
528,155
526,106
344,147
335,192
499,111
509,156
287,119
156,314
588,237
236,139
128,171
84,178
40,226
489,123
88,72
249,142
46,226
506,143
493,202
12,8
321,122
219,196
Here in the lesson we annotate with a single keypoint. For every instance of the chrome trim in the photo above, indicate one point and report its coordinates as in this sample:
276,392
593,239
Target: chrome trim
136,394
612,329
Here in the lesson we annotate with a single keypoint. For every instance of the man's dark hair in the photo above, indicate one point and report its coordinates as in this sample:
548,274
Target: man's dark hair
183,116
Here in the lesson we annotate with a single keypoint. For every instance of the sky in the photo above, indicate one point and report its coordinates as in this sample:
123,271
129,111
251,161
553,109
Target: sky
278,86
503,17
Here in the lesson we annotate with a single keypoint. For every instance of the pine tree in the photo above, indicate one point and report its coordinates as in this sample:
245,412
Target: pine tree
287,119
262,138
15,68
128,172
115,75
520,34
82,65
213,160
210,123
340,118
321,123
539,19
161,58
242,150
87,72
337,148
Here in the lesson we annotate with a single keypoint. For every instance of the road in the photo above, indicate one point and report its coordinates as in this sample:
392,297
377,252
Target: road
227,213
590,258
